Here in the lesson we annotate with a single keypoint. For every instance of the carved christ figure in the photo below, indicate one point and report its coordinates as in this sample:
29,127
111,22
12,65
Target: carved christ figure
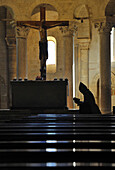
42,26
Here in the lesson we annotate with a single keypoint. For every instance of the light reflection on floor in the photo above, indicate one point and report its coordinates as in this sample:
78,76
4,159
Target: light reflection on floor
54,164
59,164
51,141
51,150
51,164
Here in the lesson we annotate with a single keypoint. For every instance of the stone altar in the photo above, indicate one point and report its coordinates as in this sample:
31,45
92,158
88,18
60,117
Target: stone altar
39,94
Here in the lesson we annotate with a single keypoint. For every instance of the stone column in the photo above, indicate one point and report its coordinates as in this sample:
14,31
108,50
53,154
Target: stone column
21,51
68,35
76,70
105,67
84,61
114,44
4,102
11,43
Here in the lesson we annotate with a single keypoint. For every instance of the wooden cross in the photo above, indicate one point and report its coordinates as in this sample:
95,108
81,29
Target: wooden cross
42,26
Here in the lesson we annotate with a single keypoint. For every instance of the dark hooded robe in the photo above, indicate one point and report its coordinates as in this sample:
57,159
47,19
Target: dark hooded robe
88,106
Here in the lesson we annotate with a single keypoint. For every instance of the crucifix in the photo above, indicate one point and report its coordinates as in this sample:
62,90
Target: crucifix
42,26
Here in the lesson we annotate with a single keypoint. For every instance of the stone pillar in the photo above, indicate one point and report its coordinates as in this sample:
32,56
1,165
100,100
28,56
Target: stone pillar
11,43
68,35
76,70
3,62
84,61
21,51
105,67
114,44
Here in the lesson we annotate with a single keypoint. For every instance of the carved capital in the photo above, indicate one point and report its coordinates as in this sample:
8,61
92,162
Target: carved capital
84,43
71,29
22,32
84,46
103,27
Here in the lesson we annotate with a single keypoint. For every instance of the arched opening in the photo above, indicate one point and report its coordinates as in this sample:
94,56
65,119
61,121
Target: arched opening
110,8
51,50
81,14
110,12
112,45
51,62
51,12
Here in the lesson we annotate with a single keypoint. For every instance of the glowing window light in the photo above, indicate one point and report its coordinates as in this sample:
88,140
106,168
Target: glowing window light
51,51
112,39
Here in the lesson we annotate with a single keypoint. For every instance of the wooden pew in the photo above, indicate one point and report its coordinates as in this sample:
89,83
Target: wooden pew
58,140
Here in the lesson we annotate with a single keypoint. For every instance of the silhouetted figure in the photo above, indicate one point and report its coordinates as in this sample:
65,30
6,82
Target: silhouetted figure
88,106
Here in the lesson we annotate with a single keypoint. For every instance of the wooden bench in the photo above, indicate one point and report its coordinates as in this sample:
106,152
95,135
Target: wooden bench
65,140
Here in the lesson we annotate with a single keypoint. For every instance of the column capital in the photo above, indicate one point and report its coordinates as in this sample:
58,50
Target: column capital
22,32
69,30
103,27
84,43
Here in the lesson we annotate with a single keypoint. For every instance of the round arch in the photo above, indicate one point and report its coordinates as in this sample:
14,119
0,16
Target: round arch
36,4
12,8
81,14
51,12
81,11
110,8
